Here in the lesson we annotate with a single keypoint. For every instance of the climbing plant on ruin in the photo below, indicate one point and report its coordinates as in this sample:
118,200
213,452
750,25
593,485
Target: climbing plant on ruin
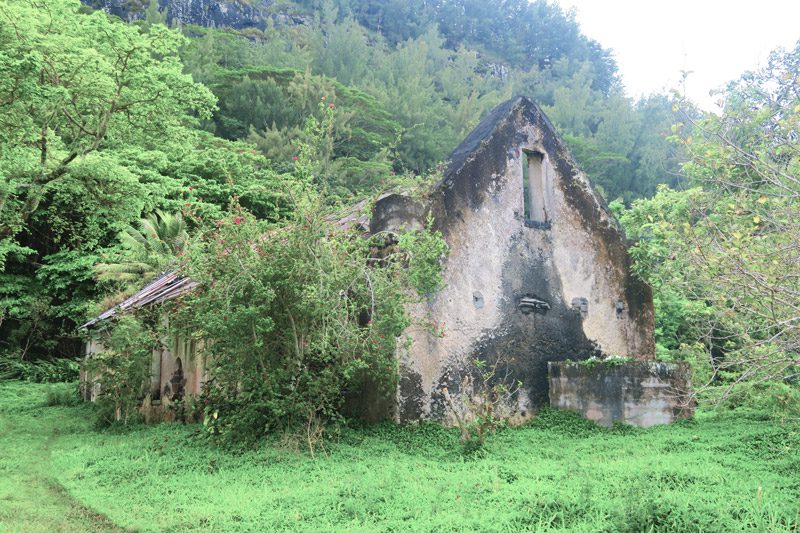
296,316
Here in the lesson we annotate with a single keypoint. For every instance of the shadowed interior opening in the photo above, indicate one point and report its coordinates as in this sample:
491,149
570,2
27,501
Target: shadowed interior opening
533,187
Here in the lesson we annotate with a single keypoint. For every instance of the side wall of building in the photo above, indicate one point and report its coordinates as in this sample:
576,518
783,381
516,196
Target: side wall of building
177,370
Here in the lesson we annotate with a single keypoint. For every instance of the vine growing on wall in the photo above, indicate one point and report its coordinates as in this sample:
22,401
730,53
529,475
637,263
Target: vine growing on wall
122,369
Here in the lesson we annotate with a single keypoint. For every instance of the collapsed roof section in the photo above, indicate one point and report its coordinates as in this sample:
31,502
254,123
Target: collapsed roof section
167,286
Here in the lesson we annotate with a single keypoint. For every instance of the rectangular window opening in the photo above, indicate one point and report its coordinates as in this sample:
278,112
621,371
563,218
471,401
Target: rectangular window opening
533,190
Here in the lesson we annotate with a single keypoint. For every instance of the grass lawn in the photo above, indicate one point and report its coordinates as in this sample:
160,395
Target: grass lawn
31,499
717,473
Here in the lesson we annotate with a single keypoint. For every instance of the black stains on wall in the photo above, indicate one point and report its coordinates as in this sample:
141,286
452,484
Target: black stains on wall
521,318
525,342
410,407
451,379
483,156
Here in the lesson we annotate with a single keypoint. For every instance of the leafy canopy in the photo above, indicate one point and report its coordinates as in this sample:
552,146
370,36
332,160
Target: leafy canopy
73,86
724,256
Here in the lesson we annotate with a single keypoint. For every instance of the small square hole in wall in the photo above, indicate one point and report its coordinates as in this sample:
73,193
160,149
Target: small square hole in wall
581,305
477,300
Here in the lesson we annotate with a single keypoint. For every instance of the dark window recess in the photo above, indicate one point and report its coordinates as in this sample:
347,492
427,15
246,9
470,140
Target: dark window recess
177,382
533,196
477,300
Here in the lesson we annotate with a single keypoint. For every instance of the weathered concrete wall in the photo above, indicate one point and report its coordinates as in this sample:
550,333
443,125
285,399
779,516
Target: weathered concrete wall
88,386
525,293
163,368
642,393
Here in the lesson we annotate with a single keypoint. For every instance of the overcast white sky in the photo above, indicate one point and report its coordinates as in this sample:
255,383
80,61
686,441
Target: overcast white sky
654,40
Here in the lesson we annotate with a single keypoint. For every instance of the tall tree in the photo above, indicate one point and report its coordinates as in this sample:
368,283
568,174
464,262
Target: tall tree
85,101
734,246
73,85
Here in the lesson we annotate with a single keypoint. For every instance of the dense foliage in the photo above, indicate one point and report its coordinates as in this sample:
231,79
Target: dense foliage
433,69
42,371
724,256
519,33
294,315
122,369
98,128
102,126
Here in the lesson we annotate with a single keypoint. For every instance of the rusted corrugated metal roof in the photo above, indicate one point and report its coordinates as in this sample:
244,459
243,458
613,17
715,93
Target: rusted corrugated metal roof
165,287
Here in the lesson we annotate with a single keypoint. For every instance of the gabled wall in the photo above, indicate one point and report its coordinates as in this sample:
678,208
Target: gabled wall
527,293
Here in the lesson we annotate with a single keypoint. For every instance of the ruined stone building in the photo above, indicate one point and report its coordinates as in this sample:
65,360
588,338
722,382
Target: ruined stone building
177,368
538,270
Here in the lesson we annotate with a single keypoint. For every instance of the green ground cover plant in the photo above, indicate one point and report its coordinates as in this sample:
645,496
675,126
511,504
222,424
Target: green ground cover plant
31,423
730,471
41,371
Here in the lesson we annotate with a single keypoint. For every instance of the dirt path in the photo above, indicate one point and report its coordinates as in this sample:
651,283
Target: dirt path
30,500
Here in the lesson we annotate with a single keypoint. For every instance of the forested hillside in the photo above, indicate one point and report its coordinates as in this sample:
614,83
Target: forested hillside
107,121
435,67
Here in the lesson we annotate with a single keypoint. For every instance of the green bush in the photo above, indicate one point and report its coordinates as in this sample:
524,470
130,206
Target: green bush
42,371
771,399
123,371
292,318
62,394
564,422
294,315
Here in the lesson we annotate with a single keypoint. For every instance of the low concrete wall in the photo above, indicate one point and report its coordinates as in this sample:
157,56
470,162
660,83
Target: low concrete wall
641,393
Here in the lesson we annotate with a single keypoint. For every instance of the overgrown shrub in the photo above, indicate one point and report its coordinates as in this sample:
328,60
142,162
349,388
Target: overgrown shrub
62,394
772,399
291,318
293,315
123,370
564,422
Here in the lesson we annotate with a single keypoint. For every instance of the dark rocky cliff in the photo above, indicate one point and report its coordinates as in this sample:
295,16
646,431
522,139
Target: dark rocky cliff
208,13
